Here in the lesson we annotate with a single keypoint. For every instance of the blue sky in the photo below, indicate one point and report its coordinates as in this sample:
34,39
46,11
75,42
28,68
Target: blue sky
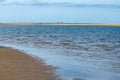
76,11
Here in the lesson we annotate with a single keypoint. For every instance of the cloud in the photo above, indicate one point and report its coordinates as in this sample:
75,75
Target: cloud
23,2
94,5
2,1
67,3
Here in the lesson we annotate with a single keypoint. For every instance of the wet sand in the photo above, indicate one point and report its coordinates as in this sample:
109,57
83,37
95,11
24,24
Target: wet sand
15,65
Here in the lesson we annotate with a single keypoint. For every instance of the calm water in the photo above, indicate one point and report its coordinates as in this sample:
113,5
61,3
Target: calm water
90,53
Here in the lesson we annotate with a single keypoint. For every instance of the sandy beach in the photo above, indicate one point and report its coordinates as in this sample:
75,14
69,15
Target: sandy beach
15,65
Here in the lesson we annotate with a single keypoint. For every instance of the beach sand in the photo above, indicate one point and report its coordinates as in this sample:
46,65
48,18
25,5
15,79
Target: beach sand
15,65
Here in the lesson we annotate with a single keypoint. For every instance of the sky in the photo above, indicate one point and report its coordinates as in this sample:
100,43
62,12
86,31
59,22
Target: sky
68,11
114,2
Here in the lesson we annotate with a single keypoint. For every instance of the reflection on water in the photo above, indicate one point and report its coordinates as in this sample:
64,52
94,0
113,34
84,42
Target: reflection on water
99,46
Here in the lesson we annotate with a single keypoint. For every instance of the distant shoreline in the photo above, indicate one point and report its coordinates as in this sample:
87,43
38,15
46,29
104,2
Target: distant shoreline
55,24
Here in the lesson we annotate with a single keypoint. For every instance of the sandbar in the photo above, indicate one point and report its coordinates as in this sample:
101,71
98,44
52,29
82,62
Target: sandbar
56,24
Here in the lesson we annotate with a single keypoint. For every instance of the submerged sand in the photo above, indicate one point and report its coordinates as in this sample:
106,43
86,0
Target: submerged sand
15,65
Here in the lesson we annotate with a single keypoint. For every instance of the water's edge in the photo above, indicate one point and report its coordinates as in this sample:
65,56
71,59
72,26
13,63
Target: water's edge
90,53
85,71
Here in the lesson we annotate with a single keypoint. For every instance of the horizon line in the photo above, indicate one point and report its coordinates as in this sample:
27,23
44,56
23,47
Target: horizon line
55,24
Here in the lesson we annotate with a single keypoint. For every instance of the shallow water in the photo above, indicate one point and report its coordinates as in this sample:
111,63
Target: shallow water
90,53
